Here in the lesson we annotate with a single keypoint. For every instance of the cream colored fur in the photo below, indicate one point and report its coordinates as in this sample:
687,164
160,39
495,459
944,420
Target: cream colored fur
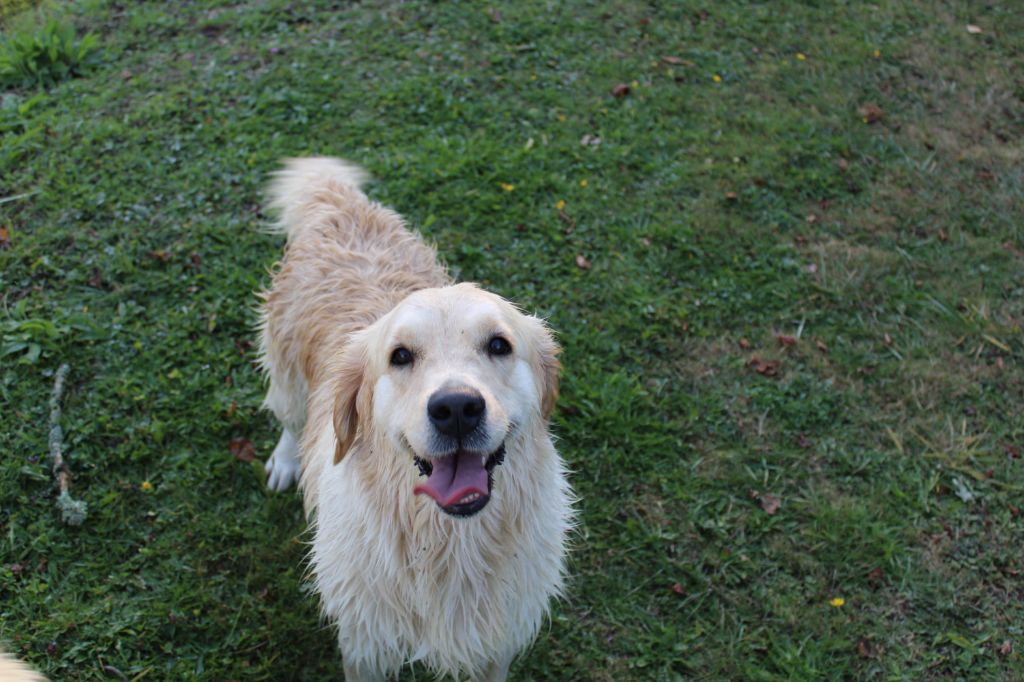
13,670
402,580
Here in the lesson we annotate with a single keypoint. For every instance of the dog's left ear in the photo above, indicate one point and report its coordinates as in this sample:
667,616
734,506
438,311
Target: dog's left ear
352,395
548,368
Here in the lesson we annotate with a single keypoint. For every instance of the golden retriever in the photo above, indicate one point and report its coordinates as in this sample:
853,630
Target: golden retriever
13,670
415,415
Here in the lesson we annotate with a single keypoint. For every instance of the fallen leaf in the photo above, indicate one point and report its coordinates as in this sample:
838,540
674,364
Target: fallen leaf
731,196
5,237
621,90
162,256
242,449
871,113
974,28
887,339
675,61
770,504
96,279
744,344
843,164
126,75
865,648
821,346
942,235
1012,249
811,218
589,140
232,408
581,262
768,368
678,589
1006,648
876,575
786,341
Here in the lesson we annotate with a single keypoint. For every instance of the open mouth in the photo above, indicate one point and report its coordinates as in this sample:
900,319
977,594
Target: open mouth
459,483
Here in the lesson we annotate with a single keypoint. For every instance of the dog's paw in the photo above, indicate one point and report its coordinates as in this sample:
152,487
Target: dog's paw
283,466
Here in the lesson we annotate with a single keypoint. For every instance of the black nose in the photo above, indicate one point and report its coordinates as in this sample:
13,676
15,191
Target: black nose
456,412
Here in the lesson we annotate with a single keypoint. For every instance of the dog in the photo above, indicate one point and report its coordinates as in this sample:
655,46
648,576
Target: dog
13,670
415,417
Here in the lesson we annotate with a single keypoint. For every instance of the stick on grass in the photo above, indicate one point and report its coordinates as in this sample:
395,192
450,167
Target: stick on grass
72,511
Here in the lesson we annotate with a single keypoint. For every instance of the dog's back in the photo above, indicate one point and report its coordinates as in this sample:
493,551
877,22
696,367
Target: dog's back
348,261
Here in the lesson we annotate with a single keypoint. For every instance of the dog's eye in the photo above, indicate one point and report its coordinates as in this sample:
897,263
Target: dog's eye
401,356
499,346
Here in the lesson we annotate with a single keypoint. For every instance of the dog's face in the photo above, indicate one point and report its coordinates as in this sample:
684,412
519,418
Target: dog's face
448,377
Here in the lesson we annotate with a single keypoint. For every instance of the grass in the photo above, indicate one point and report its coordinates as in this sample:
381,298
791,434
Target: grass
778,299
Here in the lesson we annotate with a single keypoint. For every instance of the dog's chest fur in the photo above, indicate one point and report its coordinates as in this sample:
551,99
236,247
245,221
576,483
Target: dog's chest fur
405,582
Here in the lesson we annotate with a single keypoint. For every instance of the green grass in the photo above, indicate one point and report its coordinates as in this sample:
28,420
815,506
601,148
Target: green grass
717,214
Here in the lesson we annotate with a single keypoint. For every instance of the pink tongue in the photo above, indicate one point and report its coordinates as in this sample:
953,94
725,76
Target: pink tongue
455,477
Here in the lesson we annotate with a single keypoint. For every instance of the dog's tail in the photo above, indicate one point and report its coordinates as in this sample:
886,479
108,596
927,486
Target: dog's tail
303,184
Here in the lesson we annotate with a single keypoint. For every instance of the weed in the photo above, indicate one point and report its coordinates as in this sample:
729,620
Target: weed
46,55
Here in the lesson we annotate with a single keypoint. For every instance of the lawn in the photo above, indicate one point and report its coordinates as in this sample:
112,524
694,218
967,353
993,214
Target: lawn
782,245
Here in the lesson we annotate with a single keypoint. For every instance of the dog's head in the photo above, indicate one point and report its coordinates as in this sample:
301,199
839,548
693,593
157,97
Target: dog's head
447,377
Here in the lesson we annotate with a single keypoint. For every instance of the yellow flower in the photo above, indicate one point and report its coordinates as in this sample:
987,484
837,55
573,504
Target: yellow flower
877,54
801,56
507,186
146,486
716,78
560,204
837,602
584,183
561,117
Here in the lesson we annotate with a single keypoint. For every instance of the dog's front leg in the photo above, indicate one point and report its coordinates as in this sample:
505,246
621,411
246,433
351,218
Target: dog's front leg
360,673
283,466
497,671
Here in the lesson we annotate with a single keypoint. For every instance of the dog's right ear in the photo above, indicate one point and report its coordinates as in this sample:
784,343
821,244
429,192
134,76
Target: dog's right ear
352,396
